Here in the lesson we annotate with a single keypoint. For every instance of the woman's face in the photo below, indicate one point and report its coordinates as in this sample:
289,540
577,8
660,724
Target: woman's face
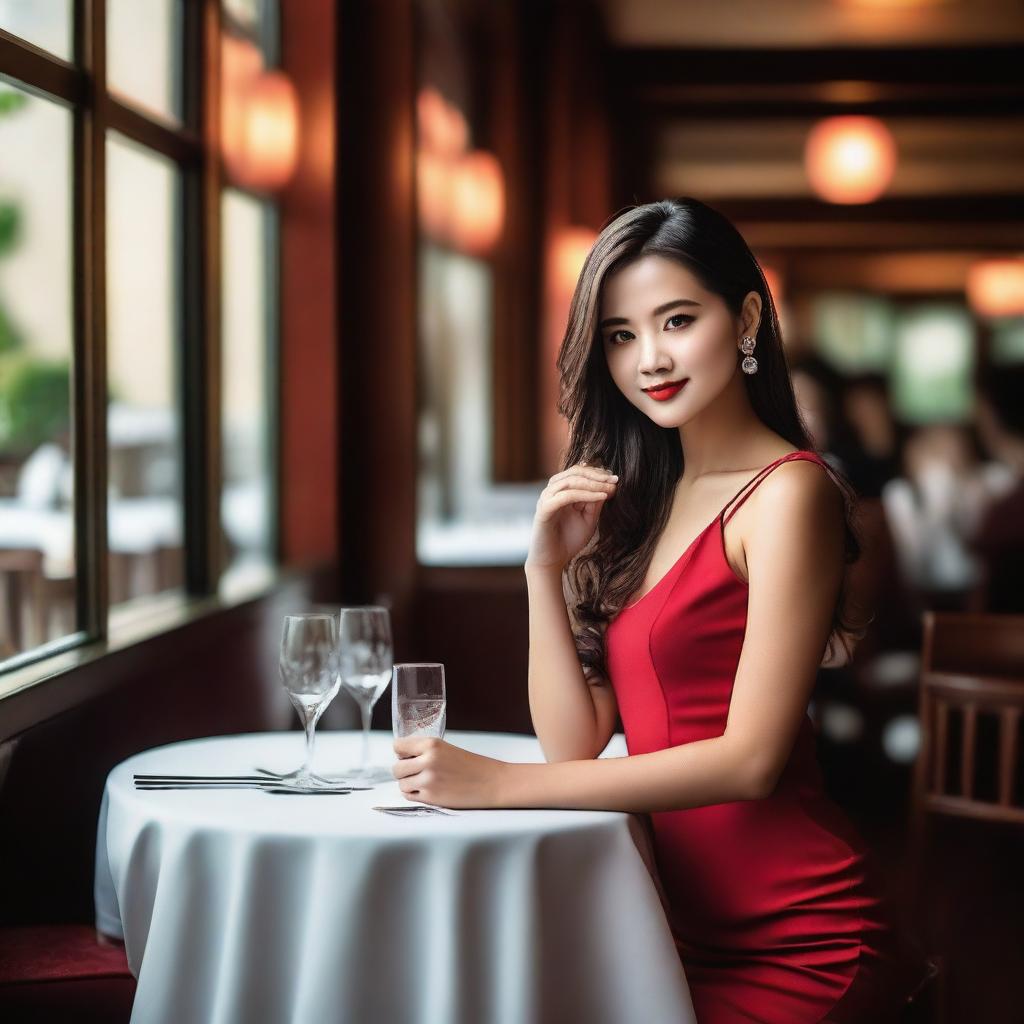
658,325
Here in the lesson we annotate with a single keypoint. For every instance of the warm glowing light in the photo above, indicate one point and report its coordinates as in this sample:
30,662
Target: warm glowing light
478,202
774,281
259,119
442,127
460,195
850,159
569,250
995,287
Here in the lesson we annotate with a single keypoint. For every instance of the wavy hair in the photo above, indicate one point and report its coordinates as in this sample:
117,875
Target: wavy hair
607,430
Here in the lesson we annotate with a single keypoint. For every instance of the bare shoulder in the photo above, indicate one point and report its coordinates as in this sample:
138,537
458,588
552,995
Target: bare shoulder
799,498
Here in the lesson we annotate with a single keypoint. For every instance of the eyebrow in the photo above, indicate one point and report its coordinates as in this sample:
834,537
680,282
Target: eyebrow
610,321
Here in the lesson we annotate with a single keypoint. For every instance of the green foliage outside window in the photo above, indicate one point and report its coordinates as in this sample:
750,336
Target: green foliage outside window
34,392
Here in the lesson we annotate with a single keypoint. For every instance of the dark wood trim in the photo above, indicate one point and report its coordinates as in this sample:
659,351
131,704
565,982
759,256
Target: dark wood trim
937,209
201,329
516,119
179,144
754,107
637,68
90,327
41,72
376,287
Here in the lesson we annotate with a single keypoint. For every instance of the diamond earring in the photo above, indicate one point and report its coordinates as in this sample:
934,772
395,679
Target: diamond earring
749,364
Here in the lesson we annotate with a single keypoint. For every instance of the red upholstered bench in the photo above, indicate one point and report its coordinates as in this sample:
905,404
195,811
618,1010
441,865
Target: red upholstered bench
61,973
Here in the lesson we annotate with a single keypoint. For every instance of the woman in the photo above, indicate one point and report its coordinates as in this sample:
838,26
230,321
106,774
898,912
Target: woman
706,582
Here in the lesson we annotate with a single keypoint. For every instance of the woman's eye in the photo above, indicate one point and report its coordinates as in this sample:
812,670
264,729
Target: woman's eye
614,335
680,316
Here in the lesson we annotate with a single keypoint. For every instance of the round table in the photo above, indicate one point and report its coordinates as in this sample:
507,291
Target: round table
241,906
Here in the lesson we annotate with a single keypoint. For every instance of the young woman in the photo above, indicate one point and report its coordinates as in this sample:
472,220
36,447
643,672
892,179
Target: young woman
702,544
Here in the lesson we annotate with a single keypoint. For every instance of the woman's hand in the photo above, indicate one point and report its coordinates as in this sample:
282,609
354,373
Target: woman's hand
434,772
567,514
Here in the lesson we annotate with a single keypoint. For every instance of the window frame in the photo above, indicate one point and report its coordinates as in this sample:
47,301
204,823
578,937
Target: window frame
194,148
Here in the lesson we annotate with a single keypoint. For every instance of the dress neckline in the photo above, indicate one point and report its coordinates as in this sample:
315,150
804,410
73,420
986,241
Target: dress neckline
718,519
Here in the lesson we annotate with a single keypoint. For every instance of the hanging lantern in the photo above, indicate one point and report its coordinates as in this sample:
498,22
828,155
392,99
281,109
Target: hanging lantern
477,202
259,118
240,63
995,287
850,159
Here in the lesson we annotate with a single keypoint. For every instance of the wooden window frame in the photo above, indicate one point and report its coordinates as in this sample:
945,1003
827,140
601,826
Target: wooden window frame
194,147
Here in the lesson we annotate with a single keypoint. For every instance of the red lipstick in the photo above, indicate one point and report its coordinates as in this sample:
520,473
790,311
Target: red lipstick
663,392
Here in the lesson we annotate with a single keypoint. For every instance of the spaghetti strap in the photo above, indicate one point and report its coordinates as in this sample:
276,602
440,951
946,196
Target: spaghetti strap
747,489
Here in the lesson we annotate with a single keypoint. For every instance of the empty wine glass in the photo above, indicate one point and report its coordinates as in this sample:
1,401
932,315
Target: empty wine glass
365,652
309,673
418,705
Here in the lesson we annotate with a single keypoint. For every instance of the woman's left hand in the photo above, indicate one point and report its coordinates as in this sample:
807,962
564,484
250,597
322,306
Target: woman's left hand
432,771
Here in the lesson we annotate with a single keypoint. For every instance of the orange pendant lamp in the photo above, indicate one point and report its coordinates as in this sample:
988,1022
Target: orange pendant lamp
259,119
850,159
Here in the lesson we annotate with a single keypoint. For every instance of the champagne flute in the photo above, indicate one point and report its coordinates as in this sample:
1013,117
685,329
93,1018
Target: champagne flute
309,673
418,704
365,651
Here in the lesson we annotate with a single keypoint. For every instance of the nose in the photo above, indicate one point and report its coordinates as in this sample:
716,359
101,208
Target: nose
653,357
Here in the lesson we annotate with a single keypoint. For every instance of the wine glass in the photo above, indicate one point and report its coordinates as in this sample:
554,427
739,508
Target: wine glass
365,652
418,705
309,672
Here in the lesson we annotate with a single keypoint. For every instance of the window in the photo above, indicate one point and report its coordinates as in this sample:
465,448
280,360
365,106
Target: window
137,320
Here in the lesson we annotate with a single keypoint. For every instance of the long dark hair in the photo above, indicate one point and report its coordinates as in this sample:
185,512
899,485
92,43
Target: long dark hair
606,430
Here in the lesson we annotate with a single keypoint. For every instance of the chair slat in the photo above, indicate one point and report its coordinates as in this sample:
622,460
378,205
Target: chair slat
1008,723
970,719
939,754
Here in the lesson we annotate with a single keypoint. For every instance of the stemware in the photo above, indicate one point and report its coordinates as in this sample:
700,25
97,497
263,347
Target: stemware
365,653
309,673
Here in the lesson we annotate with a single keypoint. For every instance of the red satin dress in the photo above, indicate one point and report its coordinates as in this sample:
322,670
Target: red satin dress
778,910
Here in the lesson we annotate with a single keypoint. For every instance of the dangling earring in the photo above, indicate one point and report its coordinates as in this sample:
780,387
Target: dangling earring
749,364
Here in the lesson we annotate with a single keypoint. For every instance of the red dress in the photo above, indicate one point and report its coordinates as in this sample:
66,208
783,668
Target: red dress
778,910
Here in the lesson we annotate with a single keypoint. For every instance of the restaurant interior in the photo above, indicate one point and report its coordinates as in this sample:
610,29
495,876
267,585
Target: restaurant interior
282,287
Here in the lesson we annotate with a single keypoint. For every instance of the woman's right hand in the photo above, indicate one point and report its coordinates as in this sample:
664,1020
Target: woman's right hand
567,514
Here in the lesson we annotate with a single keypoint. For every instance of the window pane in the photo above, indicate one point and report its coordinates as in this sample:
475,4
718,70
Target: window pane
144,54
45,23
246,401
144,423
37,552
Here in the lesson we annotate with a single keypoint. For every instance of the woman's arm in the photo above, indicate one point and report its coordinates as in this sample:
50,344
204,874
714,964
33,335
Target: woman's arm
570,724
794,554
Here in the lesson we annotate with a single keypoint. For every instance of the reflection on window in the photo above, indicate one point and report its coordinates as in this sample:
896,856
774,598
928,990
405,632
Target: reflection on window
144,54
463,517
144,424
37,551
44,23
931,373
247,402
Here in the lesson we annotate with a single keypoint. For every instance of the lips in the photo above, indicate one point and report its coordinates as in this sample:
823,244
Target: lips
665,391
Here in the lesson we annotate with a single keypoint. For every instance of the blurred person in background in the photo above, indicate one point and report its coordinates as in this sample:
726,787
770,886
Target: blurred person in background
998,539
875,459
935,506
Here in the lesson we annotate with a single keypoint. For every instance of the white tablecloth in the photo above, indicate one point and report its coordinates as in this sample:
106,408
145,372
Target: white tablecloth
239,906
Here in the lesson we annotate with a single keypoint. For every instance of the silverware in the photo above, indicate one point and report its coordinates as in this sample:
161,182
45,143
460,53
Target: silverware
148,777
260,787
277,775
412,810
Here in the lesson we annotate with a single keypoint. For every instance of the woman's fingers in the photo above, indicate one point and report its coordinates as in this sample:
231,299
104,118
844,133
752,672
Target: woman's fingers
578,481
593,472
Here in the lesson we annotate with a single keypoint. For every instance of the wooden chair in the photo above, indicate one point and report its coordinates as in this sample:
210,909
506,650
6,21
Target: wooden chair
972,664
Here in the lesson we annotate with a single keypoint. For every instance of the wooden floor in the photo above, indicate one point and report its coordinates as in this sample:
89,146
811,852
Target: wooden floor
973,885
